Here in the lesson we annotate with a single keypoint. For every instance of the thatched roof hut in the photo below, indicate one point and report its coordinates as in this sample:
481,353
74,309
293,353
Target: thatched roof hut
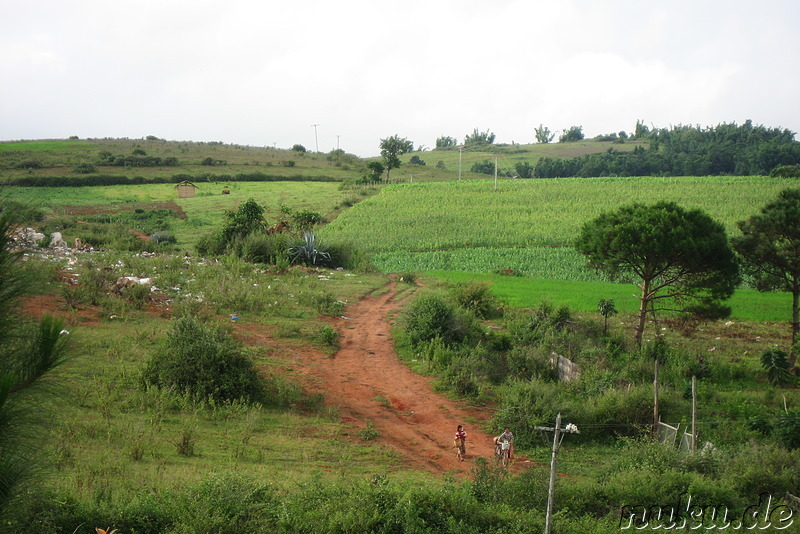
186,189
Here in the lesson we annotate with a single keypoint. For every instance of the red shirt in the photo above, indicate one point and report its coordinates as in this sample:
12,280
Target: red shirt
460,434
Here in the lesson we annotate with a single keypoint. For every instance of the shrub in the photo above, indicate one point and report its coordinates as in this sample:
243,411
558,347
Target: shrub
476,297
776,363
259,247
754,469
30,164
84,168
788,430
163,237
785,171
349,256
306,219
329,336
407,278
204,361
430,317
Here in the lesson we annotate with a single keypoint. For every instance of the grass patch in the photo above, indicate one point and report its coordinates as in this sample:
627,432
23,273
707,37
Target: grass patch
524,292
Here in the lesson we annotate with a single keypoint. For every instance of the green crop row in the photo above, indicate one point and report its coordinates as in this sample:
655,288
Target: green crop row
560,263
530,213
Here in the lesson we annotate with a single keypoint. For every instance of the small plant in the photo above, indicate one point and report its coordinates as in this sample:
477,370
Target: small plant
382,401
309,252
607,309
185,444
407,278
369,433
329,336
776,363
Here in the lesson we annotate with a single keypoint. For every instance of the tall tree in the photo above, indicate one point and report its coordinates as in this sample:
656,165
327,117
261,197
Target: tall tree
391,149
681,259
446,141
543,134
573,133
770,248
479,138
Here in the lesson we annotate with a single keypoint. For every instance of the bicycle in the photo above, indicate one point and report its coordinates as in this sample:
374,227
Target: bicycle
503,452
461,448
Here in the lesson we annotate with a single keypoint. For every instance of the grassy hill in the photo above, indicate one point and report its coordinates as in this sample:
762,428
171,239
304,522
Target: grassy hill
59,158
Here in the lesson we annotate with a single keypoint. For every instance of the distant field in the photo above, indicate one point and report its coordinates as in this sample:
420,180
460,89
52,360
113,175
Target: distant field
44,146
470,215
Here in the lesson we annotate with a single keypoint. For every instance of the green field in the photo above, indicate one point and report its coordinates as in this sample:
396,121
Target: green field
530,213
45,146
525,292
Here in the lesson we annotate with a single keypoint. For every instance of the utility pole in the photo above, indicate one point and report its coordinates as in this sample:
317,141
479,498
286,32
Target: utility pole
337,142
495,182
655,399
551,490
694,414
316,141
460,148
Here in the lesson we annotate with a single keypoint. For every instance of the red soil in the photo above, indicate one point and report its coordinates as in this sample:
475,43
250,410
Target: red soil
367,383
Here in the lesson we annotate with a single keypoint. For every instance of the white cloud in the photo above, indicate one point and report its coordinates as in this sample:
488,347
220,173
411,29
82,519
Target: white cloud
264,72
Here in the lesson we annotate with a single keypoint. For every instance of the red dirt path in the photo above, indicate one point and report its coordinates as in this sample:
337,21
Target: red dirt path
366,382
366,373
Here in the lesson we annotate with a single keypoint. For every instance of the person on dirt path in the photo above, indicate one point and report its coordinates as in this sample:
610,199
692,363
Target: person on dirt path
460,443
508,436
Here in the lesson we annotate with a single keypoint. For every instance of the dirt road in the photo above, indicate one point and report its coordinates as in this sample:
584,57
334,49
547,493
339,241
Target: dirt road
366,382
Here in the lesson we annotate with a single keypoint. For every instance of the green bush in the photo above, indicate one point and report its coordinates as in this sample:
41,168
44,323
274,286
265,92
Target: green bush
753,469
430,317
776,363
259,247
476,297
204,361
787,429
84,168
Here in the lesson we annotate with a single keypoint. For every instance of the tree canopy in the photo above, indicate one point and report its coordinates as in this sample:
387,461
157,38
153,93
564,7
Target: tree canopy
571,134
477,138
770,249
681,258
543,134
391,149
445,141
726,149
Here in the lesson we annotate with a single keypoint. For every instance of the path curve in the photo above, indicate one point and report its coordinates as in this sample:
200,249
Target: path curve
366,382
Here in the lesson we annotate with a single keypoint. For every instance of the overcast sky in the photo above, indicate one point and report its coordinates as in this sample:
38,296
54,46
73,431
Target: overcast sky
263,73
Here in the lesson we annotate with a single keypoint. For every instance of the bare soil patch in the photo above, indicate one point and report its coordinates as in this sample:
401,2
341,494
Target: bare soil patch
78,211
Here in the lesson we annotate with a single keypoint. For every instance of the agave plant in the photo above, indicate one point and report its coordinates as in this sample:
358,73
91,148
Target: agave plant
309,252
776,364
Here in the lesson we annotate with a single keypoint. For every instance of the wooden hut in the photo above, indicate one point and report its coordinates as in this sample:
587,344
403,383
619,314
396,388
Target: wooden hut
186,189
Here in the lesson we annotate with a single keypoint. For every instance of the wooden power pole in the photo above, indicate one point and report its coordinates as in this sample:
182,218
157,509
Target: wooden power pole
557,438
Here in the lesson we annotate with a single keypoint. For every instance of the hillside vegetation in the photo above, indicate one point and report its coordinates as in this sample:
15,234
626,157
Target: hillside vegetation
148,430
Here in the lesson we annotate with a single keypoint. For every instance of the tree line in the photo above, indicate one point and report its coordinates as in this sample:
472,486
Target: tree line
725,149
